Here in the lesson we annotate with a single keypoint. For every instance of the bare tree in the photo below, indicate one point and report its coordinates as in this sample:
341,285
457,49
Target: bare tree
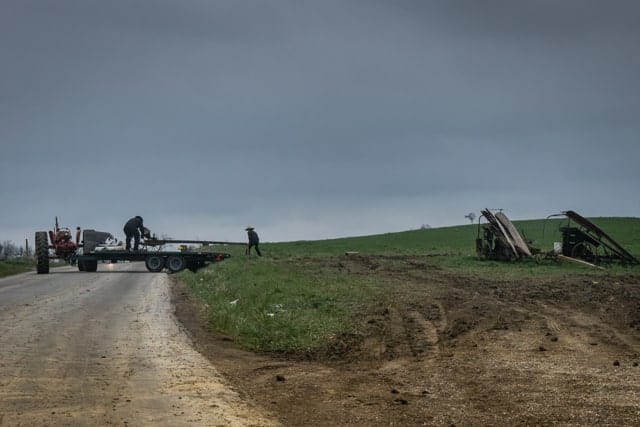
470,216
10,249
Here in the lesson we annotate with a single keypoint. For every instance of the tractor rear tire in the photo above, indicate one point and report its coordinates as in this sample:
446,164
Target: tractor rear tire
176,263
154,263
42,252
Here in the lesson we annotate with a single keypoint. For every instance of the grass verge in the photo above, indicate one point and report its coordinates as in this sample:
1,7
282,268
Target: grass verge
276,304
16,266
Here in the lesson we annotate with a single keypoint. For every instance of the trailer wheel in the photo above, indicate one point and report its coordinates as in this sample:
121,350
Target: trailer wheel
42,252
175,263
91,265
154,263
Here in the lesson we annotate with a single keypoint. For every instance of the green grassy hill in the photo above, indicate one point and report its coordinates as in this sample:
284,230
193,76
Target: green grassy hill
457,241
300,293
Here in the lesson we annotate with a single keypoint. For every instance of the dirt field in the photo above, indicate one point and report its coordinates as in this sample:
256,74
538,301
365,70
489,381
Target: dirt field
446,350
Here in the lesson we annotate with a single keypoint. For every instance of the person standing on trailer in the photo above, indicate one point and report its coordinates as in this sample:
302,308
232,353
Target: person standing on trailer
133,229
253,241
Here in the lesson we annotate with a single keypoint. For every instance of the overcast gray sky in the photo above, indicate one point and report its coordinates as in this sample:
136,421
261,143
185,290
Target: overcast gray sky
314,119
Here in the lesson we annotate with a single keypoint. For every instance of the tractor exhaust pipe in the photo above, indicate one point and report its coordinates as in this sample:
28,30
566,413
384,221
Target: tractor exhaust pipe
77,236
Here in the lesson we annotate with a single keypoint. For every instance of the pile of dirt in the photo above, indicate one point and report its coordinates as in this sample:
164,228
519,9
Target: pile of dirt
452,350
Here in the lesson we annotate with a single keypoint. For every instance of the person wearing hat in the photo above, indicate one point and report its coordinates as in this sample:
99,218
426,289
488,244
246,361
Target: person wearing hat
253,240
133,229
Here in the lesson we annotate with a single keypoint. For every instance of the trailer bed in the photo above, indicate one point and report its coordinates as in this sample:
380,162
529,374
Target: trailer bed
155,261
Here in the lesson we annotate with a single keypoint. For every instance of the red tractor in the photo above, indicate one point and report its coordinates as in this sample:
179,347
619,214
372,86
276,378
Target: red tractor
62,244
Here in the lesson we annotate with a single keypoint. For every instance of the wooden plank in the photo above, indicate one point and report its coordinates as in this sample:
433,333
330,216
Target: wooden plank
492,219
578,261
518,241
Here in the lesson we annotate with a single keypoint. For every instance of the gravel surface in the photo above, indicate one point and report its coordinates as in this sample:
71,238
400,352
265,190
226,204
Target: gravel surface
104,348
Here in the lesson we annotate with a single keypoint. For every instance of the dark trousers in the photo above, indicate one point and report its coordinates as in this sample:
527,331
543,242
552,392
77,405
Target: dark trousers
249,246
135,235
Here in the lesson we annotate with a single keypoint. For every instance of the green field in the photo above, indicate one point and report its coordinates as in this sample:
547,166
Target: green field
301,294
15,266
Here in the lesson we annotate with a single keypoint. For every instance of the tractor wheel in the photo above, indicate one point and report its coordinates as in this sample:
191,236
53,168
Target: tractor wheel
42,252
91,265
81,266
175,263
154,263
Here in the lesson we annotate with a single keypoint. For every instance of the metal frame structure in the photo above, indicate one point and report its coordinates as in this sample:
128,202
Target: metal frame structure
590,243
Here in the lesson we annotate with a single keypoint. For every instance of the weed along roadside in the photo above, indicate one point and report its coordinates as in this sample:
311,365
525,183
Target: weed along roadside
16,266
280,304
412,328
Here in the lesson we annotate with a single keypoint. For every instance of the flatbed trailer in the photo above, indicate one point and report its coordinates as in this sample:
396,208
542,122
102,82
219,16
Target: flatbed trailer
93,248
155,261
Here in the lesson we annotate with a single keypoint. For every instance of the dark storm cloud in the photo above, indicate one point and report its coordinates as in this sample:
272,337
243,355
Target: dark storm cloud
316,118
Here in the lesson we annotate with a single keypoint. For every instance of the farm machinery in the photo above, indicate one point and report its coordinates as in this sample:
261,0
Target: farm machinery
582,241
587,242
499,239
56,244
101,246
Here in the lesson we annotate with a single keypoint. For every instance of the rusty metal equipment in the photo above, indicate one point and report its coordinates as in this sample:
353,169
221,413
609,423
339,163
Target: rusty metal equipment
499,239
61,241
59,244
588,242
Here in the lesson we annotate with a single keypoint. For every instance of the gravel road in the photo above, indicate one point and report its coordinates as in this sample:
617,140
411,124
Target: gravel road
104,348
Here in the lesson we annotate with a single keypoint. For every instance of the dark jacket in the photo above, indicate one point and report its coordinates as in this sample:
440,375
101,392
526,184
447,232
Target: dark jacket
134,225
253,237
